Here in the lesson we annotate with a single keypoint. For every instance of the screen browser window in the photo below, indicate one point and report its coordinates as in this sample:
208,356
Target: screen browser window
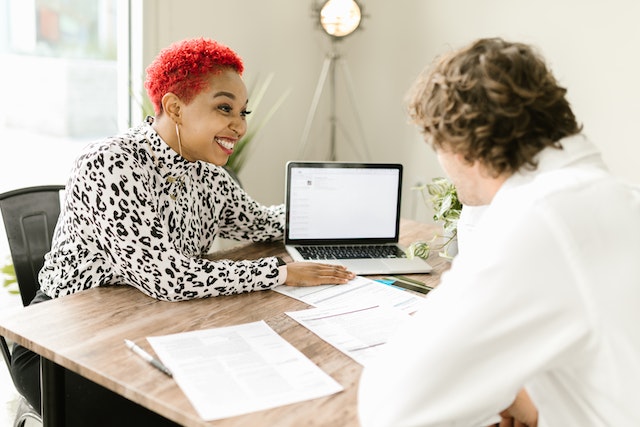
343,203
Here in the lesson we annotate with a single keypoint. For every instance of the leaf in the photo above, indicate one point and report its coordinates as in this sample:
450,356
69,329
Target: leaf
8,273
8,282
144,103
445,206
418,249
8,269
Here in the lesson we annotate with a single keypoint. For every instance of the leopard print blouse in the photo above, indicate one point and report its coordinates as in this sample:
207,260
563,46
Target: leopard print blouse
137,213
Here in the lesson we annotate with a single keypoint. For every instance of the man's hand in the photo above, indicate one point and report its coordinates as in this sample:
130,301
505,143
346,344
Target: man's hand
521,413
312,274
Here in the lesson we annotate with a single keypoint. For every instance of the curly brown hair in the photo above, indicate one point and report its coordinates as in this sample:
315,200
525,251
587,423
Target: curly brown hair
492,101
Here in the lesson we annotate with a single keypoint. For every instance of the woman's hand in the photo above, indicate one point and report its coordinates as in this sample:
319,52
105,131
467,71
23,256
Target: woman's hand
313,273
521,413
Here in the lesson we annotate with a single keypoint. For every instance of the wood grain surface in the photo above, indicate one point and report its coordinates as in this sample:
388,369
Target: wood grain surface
85,333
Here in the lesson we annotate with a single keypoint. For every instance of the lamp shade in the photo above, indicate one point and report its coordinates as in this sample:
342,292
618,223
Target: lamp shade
340,18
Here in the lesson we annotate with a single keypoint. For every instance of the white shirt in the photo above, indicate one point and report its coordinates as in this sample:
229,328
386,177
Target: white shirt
545,295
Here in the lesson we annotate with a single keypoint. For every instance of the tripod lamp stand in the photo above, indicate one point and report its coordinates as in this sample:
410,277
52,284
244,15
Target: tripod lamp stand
338,19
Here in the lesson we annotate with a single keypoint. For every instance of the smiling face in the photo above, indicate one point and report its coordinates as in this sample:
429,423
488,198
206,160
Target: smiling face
215,120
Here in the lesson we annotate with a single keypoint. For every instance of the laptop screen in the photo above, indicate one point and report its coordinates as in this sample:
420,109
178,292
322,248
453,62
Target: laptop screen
342,203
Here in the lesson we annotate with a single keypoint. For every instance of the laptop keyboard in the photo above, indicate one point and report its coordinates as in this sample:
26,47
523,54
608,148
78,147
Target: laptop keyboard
350,252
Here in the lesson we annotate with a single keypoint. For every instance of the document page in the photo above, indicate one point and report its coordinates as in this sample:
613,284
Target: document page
240,369
357,292
358,332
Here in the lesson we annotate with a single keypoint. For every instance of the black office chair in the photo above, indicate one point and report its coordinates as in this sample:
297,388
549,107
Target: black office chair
30,215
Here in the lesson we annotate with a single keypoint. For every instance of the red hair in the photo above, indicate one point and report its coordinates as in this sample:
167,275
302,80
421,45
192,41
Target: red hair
184,67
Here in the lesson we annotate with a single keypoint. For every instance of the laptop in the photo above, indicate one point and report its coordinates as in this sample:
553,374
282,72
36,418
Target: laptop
349,214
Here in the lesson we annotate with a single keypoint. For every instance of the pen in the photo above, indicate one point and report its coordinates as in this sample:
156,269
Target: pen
146,356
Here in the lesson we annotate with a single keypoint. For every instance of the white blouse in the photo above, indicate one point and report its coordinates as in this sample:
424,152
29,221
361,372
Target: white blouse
137,213
544,295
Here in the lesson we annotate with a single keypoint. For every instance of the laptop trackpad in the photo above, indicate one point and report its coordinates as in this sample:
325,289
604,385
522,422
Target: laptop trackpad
382,266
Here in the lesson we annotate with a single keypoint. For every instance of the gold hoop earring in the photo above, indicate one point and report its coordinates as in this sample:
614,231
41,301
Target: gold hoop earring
179,142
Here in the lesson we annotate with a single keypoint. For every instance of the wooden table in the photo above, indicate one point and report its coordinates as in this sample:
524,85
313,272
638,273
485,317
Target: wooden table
84,333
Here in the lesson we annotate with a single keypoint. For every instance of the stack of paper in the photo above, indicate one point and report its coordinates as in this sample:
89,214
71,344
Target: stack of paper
358,332
357,318
240,369
359,291
246,368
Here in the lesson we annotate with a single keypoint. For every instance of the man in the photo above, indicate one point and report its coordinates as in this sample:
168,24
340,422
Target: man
537,319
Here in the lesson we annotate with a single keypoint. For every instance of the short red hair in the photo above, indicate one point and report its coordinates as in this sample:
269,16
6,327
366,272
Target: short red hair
184,67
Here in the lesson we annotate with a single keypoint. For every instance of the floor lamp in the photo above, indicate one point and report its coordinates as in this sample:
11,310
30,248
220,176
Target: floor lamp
338,18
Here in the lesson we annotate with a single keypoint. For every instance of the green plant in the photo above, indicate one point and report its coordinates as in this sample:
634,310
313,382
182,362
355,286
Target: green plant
9,280
442,195
144,103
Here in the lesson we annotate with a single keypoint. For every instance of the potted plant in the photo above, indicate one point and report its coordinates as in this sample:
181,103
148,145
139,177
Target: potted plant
442,195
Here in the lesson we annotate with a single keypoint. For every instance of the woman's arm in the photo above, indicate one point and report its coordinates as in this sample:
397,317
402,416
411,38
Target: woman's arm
113,232
243,218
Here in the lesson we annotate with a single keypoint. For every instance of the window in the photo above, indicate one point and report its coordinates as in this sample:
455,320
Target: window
59,80
59,66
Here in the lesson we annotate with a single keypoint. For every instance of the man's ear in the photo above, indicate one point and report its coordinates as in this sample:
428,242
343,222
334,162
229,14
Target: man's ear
172,106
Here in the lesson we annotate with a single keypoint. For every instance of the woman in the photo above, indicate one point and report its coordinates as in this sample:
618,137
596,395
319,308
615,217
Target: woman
143,208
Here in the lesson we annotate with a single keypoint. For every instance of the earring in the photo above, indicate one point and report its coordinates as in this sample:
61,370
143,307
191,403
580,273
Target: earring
179,142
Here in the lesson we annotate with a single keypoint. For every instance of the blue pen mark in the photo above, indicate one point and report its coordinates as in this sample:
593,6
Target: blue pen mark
389,283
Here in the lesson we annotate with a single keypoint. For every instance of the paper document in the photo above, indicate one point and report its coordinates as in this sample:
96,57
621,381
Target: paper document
357,292
358,332
240,369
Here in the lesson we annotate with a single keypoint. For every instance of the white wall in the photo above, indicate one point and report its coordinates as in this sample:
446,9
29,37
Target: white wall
592,47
